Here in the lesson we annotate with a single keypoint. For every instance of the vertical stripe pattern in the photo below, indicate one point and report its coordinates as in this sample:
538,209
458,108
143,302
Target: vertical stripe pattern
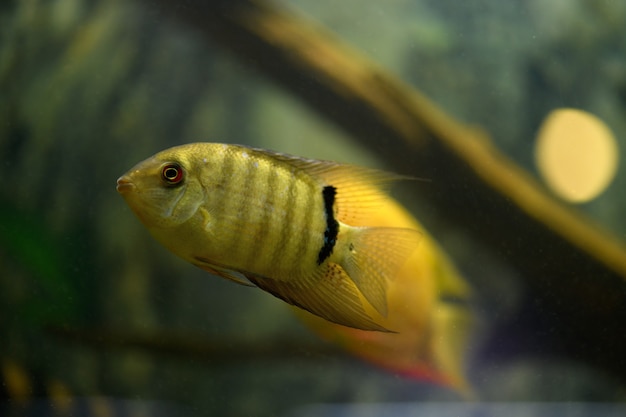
270,217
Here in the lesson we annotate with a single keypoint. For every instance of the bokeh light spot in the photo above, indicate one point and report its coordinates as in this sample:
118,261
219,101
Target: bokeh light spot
576,154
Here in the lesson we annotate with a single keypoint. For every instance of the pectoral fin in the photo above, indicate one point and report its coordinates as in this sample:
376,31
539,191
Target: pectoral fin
374,256
330,294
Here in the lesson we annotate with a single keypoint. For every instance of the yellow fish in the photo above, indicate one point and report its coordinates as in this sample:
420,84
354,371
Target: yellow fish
282,223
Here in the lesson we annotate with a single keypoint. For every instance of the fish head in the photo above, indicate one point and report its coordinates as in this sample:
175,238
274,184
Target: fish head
162,190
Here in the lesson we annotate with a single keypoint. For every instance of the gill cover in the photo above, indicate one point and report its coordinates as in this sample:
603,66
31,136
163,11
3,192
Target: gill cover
165,194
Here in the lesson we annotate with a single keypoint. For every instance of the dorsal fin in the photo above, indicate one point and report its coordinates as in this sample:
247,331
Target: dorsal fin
359,190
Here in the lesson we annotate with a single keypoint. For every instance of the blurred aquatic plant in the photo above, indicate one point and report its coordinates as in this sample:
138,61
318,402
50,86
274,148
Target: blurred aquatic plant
53,292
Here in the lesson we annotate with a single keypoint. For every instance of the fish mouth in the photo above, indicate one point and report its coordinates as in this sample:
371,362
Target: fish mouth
124,185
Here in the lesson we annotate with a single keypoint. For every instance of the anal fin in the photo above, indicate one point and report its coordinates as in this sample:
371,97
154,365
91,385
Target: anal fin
330,294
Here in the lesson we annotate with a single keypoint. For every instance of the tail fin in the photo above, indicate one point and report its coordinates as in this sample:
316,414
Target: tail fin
374,255
454,322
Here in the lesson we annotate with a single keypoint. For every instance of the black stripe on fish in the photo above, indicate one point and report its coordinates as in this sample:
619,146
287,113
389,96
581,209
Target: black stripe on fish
332,226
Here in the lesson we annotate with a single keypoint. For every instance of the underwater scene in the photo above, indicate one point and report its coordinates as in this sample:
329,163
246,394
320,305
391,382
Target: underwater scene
302,208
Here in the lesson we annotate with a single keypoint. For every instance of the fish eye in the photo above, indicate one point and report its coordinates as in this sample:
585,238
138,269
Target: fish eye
172,174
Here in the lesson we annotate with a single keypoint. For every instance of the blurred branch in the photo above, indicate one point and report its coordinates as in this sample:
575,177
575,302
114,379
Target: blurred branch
574,267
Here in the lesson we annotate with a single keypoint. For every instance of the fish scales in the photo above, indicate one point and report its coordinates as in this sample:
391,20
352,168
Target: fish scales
267,206
305,231
290,234
253,211
235,210
268,209
287,193
228,194
246,213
